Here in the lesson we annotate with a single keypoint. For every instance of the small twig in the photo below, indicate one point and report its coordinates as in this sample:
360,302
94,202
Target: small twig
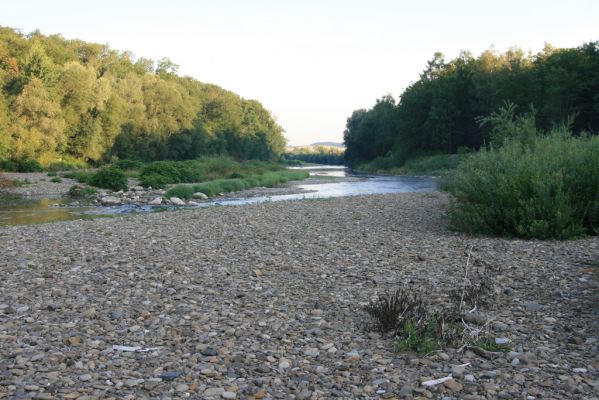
465,279
483,353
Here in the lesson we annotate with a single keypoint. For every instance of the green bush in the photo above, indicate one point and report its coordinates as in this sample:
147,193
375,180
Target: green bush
545,187
21,182
79,176
109,178
24,165
128,164
80,191
155,181
56,179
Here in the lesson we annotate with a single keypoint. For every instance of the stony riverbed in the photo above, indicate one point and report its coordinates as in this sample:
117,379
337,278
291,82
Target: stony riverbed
264,301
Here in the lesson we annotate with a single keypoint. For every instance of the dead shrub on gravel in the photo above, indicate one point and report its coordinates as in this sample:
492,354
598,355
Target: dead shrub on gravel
423,327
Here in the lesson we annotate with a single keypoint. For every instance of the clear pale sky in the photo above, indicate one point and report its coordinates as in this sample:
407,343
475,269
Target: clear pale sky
310,62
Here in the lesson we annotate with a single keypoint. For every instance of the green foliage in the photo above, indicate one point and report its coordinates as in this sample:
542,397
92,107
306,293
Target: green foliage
217,186
432,165
56,179
417,340
488,343
436,165
81,191
128,164
439,113
52,173
67,163
108,178
67,98
21,165
21,182
543,187
160,173
79,176
155,181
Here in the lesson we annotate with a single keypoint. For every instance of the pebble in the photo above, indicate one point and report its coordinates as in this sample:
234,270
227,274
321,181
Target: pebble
312,352
181,388
170,375
213,392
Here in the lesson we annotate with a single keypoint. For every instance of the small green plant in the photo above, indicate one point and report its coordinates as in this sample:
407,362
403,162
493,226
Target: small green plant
52,173
56,179
417,340
489,344
21,182
109,178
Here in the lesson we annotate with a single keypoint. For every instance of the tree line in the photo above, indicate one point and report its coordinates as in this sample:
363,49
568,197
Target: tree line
74,101
316,154
442,111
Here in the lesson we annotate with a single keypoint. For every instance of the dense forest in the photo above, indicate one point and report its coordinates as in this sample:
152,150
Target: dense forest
441,112
71,101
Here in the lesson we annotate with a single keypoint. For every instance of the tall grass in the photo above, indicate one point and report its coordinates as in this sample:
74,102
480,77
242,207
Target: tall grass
541,187
214,187
160,173
430,165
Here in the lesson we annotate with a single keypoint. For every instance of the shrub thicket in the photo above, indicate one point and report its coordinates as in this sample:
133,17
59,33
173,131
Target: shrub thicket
533,186
108,178
160,173
23,165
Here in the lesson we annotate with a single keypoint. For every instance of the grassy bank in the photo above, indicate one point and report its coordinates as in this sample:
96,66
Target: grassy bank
432,165
209,175
214,187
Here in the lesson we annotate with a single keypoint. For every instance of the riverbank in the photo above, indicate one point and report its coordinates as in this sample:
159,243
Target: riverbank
37,185
265,301
432,165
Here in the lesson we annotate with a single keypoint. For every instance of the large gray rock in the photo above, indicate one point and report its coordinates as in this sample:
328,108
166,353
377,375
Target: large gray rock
110,201
156,202
475,317
200,195
176,201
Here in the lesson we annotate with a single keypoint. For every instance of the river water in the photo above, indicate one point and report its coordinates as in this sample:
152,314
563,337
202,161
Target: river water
16,210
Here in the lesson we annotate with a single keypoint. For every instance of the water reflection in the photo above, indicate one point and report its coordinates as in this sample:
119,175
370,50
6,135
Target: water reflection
16,210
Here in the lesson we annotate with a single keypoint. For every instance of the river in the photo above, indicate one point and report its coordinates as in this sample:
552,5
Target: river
337,181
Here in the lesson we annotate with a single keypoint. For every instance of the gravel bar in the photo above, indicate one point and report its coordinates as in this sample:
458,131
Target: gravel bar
265,301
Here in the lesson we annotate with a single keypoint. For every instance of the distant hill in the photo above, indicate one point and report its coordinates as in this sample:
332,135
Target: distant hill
330,144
